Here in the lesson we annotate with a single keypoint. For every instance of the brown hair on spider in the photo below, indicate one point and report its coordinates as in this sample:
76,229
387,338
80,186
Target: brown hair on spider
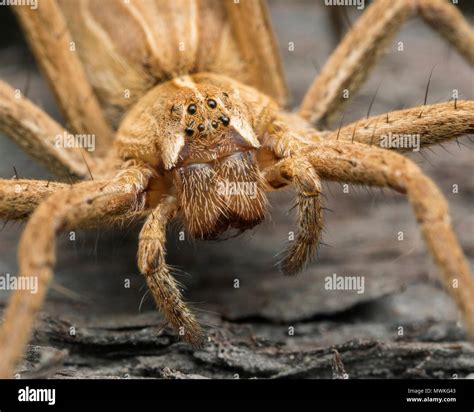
202,134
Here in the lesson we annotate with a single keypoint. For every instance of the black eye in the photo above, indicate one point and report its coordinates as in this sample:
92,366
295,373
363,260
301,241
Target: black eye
214,124
189,131
212,103
201,128
225,120
192,109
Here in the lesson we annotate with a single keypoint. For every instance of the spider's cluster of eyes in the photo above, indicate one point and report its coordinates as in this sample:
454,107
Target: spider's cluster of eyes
192,109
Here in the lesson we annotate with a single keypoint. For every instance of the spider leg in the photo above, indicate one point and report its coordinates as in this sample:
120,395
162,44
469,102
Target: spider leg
49,38
433,124
308,190
83,205
449,22
37,134
19,197
163,286
361,164
251,24
359,51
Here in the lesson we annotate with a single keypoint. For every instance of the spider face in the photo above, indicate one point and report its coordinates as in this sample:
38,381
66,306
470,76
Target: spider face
202,139
208,123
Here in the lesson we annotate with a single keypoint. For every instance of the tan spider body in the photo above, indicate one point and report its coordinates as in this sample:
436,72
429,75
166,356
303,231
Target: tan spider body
196,92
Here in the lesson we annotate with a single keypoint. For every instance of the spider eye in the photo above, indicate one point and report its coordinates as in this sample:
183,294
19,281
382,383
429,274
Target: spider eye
201,127
192,109
225,120
212,103
189,131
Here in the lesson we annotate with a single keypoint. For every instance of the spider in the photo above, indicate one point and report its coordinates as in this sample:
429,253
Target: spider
186,99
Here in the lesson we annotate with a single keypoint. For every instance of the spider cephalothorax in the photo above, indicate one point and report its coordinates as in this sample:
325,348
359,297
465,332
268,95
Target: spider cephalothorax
201,133
205,135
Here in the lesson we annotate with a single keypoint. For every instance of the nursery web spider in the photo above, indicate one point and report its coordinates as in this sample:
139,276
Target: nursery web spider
184,96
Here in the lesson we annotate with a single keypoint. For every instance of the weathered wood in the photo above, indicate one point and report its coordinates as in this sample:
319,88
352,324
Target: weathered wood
140,348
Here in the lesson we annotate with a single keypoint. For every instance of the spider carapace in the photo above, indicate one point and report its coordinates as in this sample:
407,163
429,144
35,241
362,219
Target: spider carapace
209,137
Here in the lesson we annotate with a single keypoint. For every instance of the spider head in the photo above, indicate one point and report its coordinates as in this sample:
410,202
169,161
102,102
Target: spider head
209,123
202,138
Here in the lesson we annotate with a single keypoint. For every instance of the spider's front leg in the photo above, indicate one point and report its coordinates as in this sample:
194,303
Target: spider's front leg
83,205
360,164
162,284
283,141
308,191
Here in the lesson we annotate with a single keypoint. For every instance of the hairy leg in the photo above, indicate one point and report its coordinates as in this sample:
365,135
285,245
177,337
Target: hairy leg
163,286
20,197
252,27
449,22
433,124
49,38
36,133
308,192
360,164
85,204
361,48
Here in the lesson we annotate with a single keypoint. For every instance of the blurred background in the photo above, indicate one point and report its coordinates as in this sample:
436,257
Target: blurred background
361,236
